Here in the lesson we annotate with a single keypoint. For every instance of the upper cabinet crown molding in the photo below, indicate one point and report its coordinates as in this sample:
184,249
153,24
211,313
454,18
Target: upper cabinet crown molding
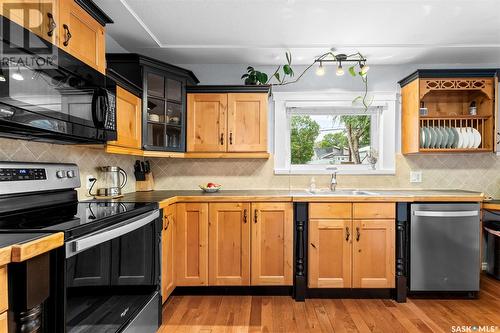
449,73
200,89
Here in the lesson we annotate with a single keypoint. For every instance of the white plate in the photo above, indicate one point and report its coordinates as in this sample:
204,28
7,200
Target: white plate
461,138
470,138
477,138
422,137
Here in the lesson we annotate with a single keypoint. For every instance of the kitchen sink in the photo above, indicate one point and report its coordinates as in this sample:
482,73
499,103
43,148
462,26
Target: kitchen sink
342,192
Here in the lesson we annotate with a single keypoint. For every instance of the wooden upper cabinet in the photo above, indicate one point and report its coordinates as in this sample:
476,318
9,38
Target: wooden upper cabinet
373,254
168,249
436,103
81,35
128,119
229,244
272,243
247,122
233,122
206,122
39,16
329,253
191,244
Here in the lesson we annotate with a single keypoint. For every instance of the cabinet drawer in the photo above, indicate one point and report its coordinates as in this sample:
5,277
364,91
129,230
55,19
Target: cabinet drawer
341,210
3,323
3,289
377,210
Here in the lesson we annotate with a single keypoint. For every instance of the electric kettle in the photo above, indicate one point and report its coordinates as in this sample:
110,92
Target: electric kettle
113,179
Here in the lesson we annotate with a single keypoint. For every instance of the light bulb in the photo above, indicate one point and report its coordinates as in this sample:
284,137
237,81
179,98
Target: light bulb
364,69
320,71
2,78
17,75
340,70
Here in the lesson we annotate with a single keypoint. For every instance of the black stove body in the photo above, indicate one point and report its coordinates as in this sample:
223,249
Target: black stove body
106,277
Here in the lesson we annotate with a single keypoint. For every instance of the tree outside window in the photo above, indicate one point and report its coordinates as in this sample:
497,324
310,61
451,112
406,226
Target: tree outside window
330,139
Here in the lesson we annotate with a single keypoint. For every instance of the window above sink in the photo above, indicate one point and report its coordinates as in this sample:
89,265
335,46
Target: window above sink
315,131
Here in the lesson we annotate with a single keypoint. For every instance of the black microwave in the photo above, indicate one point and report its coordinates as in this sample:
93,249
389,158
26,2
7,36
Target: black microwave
48,95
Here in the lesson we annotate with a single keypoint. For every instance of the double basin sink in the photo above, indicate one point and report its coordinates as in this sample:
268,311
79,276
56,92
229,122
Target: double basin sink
342,192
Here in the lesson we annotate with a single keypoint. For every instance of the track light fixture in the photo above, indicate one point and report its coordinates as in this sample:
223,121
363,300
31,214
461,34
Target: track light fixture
355,58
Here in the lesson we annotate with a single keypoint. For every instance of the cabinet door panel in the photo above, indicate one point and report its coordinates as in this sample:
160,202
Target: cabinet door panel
168,245
39,16
272,239
229,244
191,244
128,119
330,253
373,254
247,122
87,41
206,122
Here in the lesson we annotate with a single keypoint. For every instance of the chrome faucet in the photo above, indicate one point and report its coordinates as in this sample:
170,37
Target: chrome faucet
333,180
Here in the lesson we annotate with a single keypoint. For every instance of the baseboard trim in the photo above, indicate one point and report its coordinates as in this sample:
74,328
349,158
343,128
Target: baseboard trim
235,290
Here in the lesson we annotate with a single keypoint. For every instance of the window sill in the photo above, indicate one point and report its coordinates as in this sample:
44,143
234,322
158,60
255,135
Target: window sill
366,172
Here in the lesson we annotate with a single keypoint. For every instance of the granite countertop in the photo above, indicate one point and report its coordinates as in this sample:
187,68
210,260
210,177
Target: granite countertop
168,197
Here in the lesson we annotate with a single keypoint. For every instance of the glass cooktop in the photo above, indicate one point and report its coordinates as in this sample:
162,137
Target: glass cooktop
74,218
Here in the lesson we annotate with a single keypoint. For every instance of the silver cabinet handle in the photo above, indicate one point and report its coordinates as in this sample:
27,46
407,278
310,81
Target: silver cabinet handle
104,235
460,213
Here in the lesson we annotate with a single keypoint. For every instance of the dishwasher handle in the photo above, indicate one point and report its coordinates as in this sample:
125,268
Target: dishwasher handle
80,244
459,213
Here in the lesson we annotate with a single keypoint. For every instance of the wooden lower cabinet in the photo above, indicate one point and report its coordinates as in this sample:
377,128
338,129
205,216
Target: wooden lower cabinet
373,254
330,253
3,299
356,252
229,244
272,243
191,244
168,249
3,323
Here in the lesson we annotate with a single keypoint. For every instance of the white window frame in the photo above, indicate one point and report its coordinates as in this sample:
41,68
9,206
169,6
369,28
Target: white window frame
341,102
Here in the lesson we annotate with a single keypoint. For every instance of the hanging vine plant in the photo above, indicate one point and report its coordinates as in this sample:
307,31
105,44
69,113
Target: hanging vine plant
285,75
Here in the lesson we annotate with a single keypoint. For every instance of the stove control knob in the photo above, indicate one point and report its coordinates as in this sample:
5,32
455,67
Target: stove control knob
71,174
61,174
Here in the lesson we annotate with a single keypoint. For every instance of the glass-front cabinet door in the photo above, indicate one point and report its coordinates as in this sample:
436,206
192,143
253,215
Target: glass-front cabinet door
165,111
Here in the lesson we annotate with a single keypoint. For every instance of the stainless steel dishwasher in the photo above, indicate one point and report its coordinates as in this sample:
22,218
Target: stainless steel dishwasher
445,247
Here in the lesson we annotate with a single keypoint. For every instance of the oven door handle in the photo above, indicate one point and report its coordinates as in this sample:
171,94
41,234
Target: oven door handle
81,244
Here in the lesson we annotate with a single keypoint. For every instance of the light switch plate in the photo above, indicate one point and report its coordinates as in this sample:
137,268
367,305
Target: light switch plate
415,176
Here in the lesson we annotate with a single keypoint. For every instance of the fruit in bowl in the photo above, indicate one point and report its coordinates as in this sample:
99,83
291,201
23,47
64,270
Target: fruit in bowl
210,187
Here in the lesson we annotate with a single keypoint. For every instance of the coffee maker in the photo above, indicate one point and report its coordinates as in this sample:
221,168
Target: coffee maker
113,179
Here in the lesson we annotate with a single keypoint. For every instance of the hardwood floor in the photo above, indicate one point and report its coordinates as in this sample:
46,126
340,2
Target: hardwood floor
282,314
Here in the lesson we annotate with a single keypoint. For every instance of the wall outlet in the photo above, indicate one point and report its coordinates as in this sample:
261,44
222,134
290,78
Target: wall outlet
415,176
88,183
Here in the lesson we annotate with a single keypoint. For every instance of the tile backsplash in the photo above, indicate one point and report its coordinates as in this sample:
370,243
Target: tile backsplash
479,172
88,159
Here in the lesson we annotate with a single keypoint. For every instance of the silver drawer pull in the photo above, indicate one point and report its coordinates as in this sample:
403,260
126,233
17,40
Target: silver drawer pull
461,213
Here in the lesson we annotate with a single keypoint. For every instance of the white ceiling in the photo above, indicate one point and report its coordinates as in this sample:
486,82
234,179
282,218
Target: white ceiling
260,31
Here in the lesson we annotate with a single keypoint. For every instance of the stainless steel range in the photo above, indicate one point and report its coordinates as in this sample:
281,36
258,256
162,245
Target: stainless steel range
107,276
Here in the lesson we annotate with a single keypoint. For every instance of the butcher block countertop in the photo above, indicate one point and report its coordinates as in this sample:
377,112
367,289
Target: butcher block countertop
17,247
341,195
